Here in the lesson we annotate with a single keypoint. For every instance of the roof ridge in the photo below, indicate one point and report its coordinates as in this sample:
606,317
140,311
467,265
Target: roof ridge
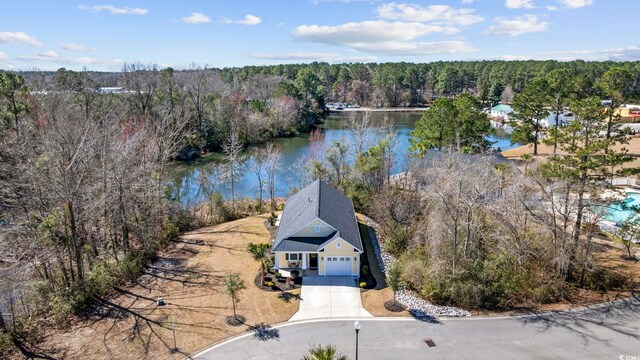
318,199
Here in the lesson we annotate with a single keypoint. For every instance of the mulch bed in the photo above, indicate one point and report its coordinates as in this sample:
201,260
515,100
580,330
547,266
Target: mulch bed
394,306
235,321
280,283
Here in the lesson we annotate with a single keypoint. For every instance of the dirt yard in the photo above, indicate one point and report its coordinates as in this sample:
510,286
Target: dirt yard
188,277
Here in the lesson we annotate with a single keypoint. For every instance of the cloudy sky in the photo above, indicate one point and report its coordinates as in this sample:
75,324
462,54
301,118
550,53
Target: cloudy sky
102,35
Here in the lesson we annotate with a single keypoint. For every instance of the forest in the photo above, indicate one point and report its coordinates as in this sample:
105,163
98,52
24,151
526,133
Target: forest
83,175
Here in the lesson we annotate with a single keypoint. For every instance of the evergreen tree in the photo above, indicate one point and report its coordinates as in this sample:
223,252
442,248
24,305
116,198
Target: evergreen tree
530,109
584,161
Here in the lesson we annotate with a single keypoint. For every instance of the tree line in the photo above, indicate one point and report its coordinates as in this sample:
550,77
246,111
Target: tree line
83,202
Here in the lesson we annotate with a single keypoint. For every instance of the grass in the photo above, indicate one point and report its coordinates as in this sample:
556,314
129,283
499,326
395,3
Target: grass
188,276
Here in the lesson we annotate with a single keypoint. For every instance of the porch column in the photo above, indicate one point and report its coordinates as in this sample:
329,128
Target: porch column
304,260
277,263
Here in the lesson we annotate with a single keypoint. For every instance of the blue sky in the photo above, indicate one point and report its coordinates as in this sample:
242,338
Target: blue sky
103,34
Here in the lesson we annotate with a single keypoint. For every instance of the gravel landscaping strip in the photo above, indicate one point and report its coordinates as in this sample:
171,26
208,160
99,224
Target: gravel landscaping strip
417,306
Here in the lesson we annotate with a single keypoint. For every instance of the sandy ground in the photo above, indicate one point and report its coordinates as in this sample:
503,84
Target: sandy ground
189,278
633,147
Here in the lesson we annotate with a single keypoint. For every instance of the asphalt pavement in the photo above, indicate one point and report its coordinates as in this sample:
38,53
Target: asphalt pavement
611,331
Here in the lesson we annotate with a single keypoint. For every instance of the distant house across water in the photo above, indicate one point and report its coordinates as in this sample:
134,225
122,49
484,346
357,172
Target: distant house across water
501,111
113,90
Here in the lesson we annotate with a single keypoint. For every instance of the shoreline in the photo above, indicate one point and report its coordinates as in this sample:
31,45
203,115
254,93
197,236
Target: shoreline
382,109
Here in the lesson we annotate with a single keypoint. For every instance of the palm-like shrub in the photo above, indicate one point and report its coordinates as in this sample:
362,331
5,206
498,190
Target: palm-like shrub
260,252
327,352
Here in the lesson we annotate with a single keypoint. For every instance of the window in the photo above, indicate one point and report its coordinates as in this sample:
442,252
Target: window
338,244
317,228
294,257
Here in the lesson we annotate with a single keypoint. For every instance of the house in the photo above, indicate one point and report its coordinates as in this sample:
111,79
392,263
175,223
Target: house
418,175
318,234
628,113
501,111
564,119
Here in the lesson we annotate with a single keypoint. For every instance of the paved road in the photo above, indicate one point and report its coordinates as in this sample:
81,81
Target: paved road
607,332
329,297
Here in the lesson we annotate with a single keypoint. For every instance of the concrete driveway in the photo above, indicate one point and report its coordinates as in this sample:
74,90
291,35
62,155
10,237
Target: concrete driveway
329,297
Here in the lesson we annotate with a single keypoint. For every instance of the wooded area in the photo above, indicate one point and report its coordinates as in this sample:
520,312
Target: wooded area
83,174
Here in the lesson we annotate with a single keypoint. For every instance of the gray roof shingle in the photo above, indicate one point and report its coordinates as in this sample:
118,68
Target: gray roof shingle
317,200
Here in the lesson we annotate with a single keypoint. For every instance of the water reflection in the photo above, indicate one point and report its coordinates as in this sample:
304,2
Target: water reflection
297,150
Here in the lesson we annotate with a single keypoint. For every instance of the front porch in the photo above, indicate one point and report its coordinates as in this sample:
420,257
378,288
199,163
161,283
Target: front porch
306,263
286,272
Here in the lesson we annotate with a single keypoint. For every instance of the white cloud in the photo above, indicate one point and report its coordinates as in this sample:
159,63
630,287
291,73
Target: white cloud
114,10
436,14
517,26
48,54
3,56
249,20
552,8
50,60
19,37
195,18
468,1
312,56
509,57
575,3
365,32
519,4
629,53
382,37
75,47
316,2
416,48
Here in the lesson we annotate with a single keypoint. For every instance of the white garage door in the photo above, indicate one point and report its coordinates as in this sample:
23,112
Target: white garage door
338,265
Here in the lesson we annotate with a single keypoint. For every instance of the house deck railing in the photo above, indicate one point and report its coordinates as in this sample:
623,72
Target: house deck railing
623,182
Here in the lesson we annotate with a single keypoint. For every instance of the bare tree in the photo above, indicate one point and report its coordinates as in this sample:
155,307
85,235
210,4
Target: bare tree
232,149
143,81
258,163
208,179
273,161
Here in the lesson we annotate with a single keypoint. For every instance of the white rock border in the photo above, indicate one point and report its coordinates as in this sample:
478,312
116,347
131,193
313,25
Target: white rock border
417,307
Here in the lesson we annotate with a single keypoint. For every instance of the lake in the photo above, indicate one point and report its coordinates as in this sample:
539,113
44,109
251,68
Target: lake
186,188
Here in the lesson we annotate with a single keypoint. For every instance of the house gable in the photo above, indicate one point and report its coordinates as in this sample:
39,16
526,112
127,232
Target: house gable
315,214
339,246
315,228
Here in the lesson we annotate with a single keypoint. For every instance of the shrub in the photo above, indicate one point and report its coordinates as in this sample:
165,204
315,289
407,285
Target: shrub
278,275
365,271
549,291
272,219
271,284
102,278
396,239
66,302
5,342
295,274
170,231
363,284
130,267
414,274
604,279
